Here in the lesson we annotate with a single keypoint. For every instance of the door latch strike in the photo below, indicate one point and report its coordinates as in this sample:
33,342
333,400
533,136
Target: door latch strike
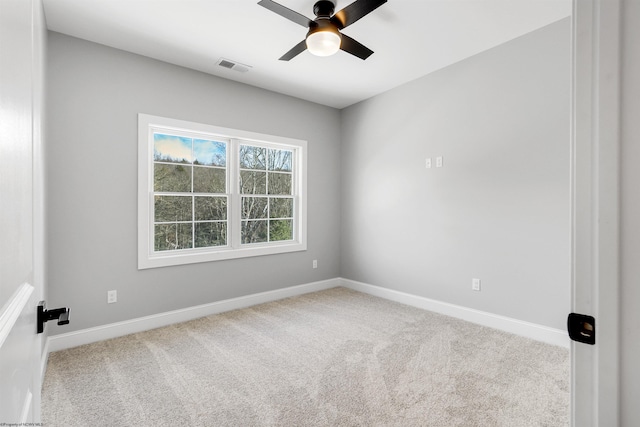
582,328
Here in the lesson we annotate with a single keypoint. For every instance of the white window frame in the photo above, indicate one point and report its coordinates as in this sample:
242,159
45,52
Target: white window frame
148,258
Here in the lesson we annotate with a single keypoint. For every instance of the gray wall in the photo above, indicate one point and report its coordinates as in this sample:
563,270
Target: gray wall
94,96
499,208
630,216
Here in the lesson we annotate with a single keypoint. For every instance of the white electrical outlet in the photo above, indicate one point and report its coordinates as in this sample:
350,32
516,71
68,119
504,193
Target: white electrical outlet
112,296
438,162
315,263
427,163
475,284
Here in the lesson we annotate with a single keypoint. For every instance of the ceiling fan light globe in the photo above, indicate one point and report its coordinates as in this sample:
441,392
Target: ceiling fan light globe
323,43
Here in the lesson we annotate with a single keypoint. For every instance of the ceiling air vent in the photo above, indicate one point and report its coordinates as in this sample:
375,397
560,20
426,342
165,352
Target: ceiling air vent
232,65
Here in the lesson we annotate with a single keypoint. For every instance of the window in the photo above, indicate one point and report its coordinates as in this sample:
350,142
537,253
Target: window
208,193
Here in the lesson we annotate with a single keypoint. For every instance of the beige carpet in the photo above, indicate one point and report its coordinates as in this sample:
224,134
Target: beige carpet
336,357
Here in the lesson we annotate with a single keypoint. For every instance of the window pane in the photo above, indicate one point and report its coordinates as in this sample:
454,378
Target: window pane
280,229
280,160
280,208
210,208
209,180
254,231
211,234
169,148
209,153
171,237
252,182
252,157
279,183
254,207
171,178
172,208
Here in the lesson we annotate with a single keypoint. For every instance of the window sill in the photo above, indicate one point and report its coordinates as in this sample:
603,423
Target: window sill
168,259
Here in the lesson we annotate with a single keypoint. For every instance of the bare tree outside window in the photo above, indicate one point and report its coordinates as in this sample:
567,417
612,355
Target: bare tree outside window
266,179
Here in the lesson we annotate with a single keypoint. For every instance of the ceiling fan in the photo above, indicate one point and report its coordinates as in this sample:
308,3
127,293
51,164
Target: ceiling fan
324,37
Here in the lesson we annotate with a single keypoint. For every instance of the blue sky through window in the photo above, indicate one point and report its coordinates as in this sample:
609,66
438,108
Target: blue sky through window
179,149
211,153
170,148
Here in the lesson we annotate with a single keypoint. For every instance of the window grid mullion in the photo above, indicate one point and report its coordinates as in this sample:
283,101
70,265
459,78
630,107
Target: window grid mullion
234,190
266,191
193,201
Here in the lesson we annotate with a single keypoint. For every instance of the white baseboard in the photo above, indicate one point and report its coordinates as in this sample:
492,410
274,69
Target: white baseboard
534,331
86,336
113,330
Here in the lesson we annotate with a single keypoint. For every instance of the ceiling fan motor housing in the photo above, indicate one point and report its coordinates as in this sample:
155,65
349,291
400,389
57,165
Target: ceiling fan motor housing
324,8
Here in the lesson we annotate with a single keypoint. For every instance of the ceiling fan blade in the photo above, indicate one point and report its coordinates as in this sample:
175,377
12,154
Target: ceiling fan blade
295,51
285,12
355,48
355,11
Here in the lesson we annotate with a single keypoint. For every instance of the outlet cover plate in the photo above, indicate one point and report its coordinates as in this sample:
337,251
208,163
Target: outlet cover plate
112,296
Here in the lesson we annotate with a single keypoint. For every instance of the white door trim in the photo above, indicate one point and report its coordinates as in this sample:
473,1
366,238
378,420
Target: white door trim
595,207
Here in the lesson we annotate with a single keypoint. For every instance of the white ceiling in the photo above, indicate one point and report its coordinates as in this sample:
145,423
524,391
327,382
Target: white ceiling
410,38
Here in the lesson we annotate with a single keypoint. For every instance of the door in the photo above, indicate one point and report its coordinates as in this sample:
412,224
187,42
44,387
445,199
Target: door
21,217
